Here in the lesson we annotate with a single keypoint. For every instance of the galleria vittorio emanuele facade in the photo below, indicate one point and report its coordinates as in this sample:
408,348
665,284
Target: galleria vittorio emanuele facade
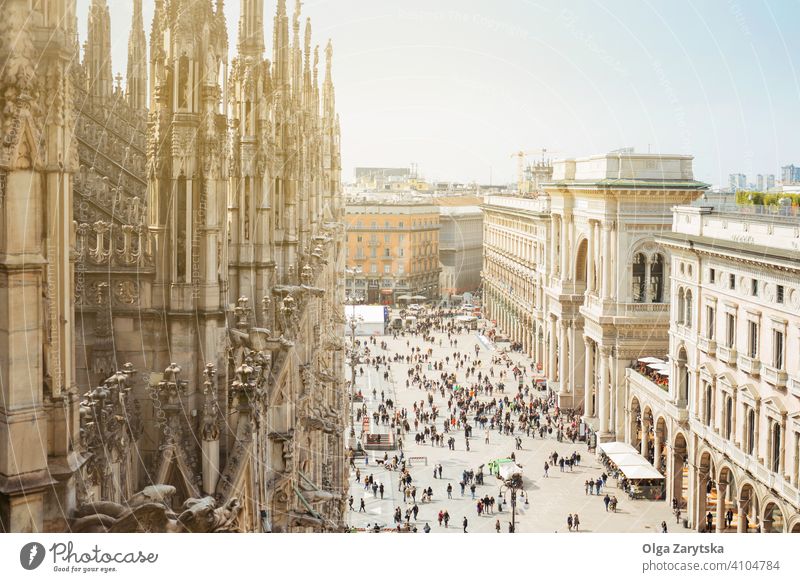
170,274
667,322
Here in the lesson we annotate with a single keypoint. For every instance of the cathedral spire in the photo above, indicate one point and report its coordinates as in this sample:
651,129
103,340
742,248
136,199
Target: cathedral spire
137,60
327,92
280,46
251,28
97,56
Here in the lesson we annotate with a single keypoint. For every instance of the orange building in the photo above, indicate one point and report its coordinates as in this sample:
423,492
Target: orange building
392,250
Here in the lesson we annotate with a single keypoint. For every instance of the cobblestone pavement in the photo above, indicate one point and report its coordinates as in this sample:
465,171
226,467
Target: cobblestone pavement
550,499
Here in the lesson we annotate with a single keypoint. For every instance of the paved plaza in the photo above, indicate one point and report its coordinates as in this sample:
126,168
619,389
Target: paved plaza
550,499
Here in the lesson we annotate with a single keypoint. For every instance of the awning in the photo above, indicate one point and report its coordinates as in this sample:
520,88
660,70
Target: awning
629,461
404,297
387,291
419,298
650,360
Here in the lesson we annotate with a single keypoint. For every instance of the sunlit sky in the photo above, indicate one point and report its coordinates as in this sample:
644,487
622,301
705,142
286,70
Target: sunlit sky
457,86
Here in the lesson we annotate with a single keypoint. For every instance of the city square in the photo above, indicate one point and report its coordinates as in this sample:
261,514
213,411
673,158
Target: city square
549,500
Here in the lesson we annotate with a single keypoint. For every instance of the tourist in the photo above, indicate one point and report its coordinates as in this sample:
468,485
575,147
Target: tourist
465,523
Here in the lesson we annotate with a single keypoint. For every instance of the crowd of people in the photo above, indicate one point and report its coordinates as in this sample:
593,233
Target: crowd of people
463,394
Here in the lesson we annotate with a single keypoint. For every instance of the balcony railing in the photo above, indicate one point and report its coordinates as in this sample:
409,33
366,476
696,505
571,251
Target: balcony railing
748,365
777,378
727,355
707,346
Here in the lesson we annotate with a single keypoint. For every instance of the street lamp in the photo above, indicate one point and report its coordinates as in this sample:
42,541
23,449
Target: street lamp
513,484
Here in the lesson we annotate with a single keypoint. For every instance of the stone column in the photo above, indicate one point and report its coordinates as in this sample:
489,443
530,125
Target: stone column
551,356
603,395
606,276
590,259
741,522
587,377
565,274
563,387
645,427
721,488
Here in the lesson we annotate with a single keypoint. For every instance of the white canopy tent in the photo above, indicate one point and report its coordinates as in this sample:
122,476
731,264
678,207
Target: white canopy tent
629,461
370,318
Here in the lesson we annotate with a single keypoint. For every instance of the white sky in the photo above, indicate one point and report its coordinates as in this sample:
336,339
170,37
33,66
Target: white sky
456,86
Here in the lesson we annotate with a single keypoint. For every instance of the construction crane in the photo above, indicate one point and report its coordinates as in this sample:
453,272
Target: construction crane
521,155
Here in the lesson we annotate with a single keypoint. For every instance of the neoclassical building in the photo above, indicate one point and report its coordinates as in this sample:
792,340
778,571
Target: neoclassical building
727,430
576,274
174,299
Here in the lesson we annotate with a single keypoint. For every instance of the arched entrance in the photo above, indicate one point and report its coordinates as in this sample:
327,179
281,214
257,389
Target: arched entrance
659,438
748,510
646,448
773,521
795,528
581,275
680,471
706,494
635,424
726,502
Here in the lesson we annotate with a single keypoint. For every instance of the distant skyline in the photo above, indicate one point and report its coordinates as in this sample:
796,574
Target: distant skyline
457,86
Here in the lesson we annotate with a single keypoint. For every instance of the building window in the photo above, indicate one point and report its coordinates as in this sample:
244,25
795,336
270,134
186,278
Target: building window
730,330
777,349
402,252
688,309
752,339
387,268
712,275
387,239
639,274
732,281
401,269
750,431
710,322
359,253
359,238
359,224
373,268
373,252
681,307
775,453
754,287
728,417
374,225
657,278
387,252
779,294
400,224
708,404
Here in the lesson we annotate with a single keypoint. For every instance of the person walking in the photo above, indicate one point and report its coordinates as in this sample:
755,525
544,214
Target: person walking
569,522
446,518
362,507
472,490
381,490
546,468
606,501
465,523
351,503
440,517
575,522
663,527
497,526
449,490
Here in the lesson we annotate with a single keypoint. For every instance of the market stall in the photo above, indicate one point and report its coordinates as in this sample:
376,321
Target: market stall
635,474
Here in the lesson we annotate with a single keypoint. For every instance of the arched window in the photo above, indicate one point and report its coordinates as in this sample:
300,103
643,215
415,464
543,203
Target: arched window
707,404
728,416
688,316
776,447
751,431
639,274
657,278
681,308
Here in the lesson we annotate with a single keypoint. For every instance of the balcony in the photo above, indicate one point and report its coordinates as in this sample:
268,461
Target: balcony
373,243
707,346
794,386
727,354
748,365
777,378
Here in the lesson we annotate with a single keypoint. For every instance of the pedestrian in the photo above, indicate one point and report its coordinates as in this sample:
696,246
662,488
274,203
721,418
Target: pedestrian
381,490
497,526
546,468
362,507
472,490
586,486
663,527
569,522
351,503
446,518
427,528
449,490
465,523
606,501
709,521
576,522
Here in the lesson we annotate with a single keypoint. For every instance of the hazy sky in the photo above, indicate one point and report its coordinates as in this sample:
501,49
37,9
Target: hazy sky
456,86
